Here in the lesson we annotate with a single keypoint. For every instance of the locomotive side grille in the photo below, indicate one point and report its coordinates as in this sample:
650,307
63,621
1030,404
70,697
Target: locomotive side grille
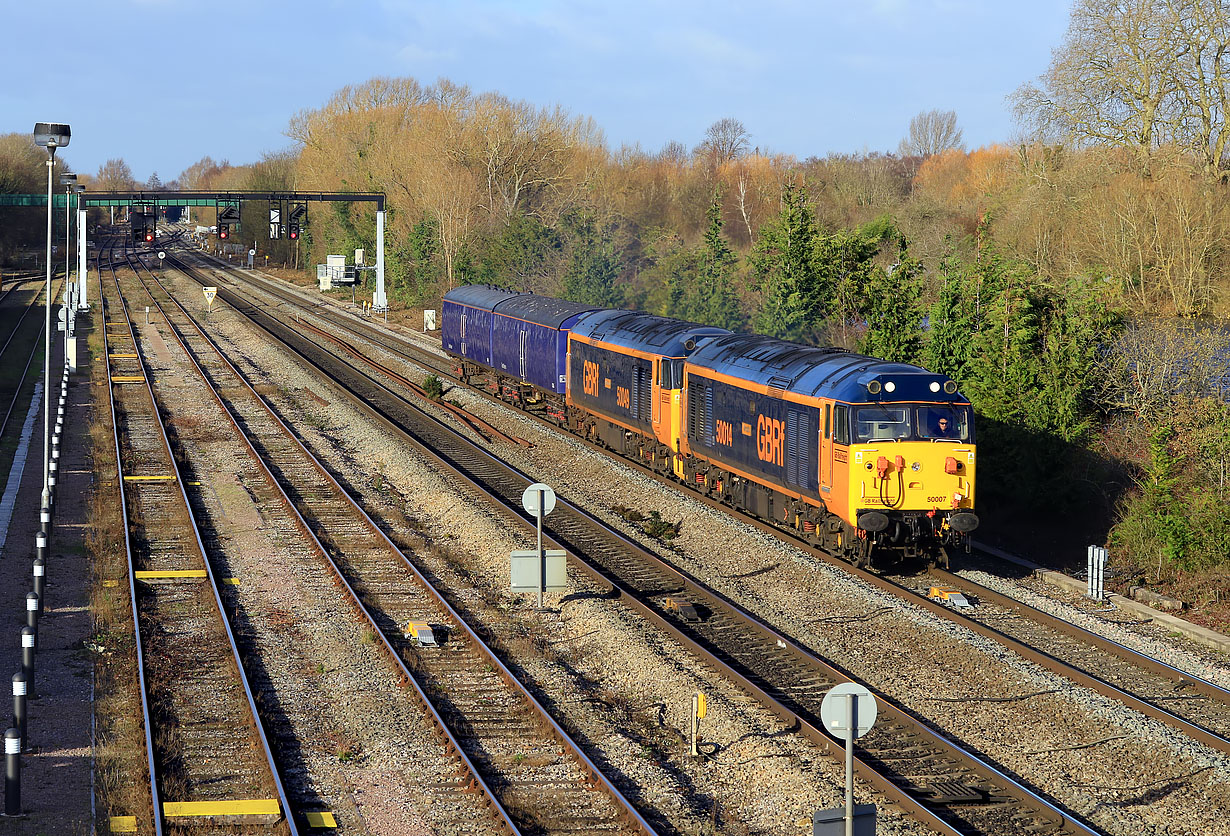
700,411
796,447
640,391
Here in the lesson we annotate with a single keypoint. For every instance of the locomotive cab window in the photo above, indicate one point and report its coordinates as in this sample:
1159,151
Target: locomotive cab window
670,374
882,423
940,422
841,424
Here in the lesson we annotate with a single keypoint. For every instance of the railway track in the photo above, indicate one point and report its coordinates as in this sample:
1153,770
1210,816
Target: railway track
508,749
1183,701
207,757
950,790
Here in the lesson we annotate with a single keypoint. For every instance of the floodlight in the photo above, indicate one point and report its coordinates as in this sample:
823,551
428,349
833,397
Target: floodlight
51,134
68,179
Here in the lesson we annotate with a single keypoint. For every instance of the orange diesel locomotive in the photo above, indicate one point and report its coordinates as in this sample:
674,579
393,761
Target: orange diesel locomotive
872,461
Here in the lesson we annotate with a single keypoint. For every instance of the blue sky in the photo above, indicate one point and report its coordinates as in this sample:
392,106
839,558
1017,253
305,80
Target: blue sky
162,83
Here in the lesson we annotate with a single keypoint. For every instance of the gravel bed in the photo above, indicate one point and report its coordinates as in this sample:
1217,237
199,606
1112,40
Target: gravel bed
1109,621
624,689
1130,775
349,739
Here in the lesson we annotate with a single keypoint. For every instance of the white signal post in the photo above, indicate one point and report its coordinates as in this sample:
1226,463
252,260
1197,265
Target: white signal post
849,711
539,500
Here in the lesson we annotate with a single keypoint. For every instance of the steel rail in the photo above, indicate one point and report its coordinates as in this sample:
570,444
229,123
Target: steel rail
213,582
1057,818
1129,655
451,743
629,813
146,724
8,412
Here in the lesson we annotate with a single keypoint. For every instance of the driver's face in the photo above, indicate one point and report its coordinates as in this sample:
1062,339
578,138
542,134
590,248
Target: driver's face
943,422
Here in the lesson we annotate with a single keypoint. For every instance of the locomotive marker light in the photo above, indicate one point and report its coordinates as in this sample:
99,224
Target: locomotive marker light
848,712
538,570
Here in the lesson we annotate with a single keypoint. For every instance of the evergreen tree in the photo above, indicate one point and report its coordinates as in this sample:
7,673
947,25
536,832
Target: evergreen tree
592,265
713,298
783,268
895,312
954,323
844,262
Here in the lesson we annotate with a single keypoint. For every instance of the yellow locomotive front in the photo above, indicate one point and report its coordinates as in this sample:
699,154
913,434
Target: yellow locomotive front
911,475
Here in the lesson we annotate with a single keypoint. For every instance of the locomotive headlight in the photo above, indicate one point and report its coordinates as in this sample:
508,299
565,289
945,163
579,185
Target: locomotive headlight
890,387
935,386
874,387
950,387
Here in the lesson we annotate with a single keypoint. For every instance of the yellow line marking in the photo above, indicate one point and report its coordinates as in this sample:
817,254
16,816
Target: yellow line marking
123,824
128,380
321,819
233,807
231,581
111,584
154,574
115,356
149,478
193,484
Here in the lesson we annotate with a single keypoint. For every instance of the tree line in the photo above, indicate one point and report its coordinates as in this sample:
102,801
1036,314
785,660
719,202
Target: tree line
1074,280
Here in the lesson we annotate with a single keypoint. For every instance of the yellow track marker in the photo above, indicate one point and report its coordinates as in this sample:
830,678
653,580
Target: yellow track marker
232,807
164,478
111,585
123,824
115,356
128,379
231,581
157,574
321,819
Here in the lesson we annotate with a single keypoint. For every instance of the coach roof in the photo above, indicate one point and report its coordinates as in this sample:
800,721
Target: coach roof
482,296
644,332
542,310
817,372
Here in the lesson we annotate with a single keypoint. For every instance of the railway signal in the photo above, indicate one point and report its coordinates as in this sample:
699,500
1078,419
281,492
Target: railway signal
298,214
224,231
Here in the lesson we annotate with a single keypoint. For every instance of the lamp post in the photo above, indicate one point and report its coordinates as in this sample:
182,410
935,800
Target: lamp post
81,250
50,135
69,182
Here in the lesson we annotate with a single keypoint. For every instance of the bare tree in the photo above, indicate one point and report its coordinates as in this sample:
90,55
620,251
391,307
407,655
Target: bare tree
115,176
725,140
1137,74
931,132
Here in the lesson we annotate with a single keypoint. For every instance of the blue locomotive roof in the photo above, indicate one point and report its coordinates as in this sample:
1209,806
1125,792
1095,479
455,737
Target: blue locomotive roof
482,296
819,372
644,332
542,310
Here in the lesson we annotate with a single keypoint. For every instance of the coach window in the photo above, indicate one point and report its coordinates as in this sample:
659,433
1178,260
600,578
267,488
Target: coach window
841,424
